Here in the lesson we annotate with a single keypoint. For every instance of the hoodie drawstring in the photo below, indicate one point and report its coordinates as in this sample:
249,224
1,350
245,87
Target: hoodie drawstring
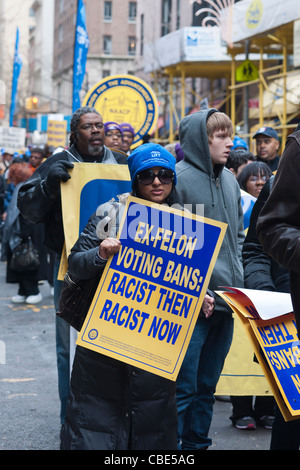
218,184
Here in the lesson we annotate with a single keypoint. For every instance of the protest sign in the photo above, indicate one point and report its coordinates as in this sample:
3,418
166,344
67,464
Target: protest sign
91,184
57,133
151,292
270,325
12,138
242,375
247,202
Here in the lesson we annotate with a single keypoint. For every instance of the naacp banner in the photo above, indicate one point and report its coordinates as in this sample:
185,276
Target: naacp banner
91,184
270,325
150,293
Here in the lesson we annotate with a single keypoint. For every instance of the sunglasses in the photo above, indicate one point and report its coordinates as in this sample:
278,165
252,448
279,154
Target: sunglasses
148,176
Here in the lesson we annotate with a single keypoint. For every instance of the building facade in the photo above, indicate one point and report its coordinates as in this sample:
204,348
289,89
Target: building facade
111,27
14,14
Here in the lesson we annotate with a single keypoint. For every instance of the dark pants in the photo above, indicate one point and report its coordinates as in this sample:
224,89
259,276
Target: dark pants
28,287
285,434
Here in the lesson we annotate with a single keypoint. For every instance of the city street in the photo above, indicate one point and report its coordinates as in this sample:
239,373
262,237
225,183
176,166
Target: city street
29,405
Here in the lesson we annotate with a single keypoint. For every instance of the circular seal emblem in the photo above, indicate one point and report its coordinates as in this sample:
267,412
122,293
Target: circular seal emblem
254,14
125,98
93,334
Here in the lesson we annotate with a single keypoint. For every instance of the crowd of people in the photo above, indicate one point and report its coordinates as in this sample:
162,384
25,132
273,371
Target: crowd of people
108,404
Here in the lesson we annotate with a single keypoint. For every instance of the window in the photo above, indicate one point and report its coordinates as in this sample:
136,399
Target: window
107,11
178,15
142,35
60,33
131,45
166,17
61,6
107,45
105,73
132,12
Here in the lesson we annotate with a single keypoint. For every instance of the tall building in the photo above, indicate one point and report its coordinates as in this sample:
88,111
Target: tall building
41,56
14,14
111,27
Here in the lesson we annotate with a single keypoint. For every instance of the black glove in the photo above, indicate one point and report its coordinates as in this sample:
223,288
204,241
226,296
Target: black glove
58,172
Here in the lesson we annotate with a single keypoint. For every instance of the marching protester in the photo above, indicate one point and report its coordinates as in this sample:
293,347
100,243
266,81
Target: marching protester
247,410
104,392
253,177
114,405
18,230
263,273
267,145
238,159
36,158
113,135
5,161
278,224
39,201
128,136
205,138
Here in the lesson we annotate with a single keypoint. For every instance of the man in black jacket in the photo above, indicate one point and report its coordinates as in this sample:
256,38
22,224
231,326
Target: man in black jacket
39,201
264,273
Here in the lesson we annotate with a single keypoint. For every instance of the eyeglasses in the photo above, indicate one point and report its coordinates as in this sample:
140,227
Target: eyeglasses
90,126
148,176
254,179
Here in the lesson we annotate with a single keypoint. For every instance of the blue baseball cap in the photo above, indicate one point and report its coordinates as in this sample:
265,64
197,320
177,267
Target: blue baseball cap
268,131
239,142
148,156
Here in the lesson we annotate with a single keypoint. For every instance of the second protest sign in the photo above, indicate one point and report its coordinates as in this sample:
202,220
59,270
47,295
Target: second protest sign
151,292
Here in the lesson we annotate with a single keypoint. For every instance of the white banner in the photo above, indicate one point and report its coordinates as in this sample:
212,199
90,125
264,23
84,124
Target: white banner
12,138
251,17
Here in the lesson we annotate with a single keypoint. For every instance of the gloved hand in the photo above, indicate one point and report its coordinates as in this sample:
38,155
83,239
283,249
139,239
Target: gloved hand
58,172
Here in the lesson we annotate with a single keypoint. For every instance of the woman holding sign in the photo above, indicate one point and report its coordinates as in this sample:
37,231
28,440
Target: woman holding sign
112,405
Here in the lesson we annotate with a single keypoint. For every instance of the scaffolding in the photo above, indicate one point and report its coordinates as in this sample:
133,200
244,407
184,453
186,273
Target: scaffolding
272,50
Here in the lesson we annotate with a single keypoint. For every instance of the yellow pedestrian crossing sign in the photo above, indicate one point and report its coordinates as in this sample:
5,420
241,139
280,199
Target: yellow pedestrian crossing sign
246,72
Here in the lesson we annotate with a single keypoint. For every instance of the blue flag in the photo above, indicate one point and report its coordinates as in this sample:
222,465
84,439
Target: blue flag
16,74
80,53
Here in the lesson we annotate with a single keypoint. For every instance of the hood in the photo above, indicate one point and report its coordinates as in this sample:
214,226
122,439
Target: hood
194,142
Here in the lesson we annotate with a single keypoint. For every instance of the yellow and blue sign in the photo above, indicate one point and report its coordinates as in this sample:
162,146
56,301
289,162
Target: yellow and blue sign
247,202
91,184
151,292
125,98
276,346
254,14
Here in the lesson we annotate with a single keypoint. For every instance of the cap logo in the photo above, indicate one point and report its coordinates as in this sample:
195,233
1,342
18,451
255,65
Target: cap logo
155,154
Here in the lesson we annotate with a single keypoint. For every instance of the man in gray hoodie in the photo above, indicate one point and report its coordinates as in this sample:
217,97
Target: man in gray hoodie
205,138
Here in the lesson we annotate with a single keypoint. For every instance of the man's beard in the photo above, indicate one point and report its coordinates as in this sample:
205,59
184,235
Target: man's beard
95,150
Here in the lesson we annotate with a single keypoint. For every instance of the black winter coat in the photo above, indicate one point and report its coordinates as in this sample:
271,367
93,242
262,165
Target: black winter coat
278,225
37,205
114,406
260,270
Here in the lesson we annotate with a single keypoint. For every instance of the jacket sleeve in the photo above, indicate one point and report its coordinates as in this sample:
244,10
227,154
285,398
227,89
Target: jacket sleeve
278,225
257,264
83,262
34,201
